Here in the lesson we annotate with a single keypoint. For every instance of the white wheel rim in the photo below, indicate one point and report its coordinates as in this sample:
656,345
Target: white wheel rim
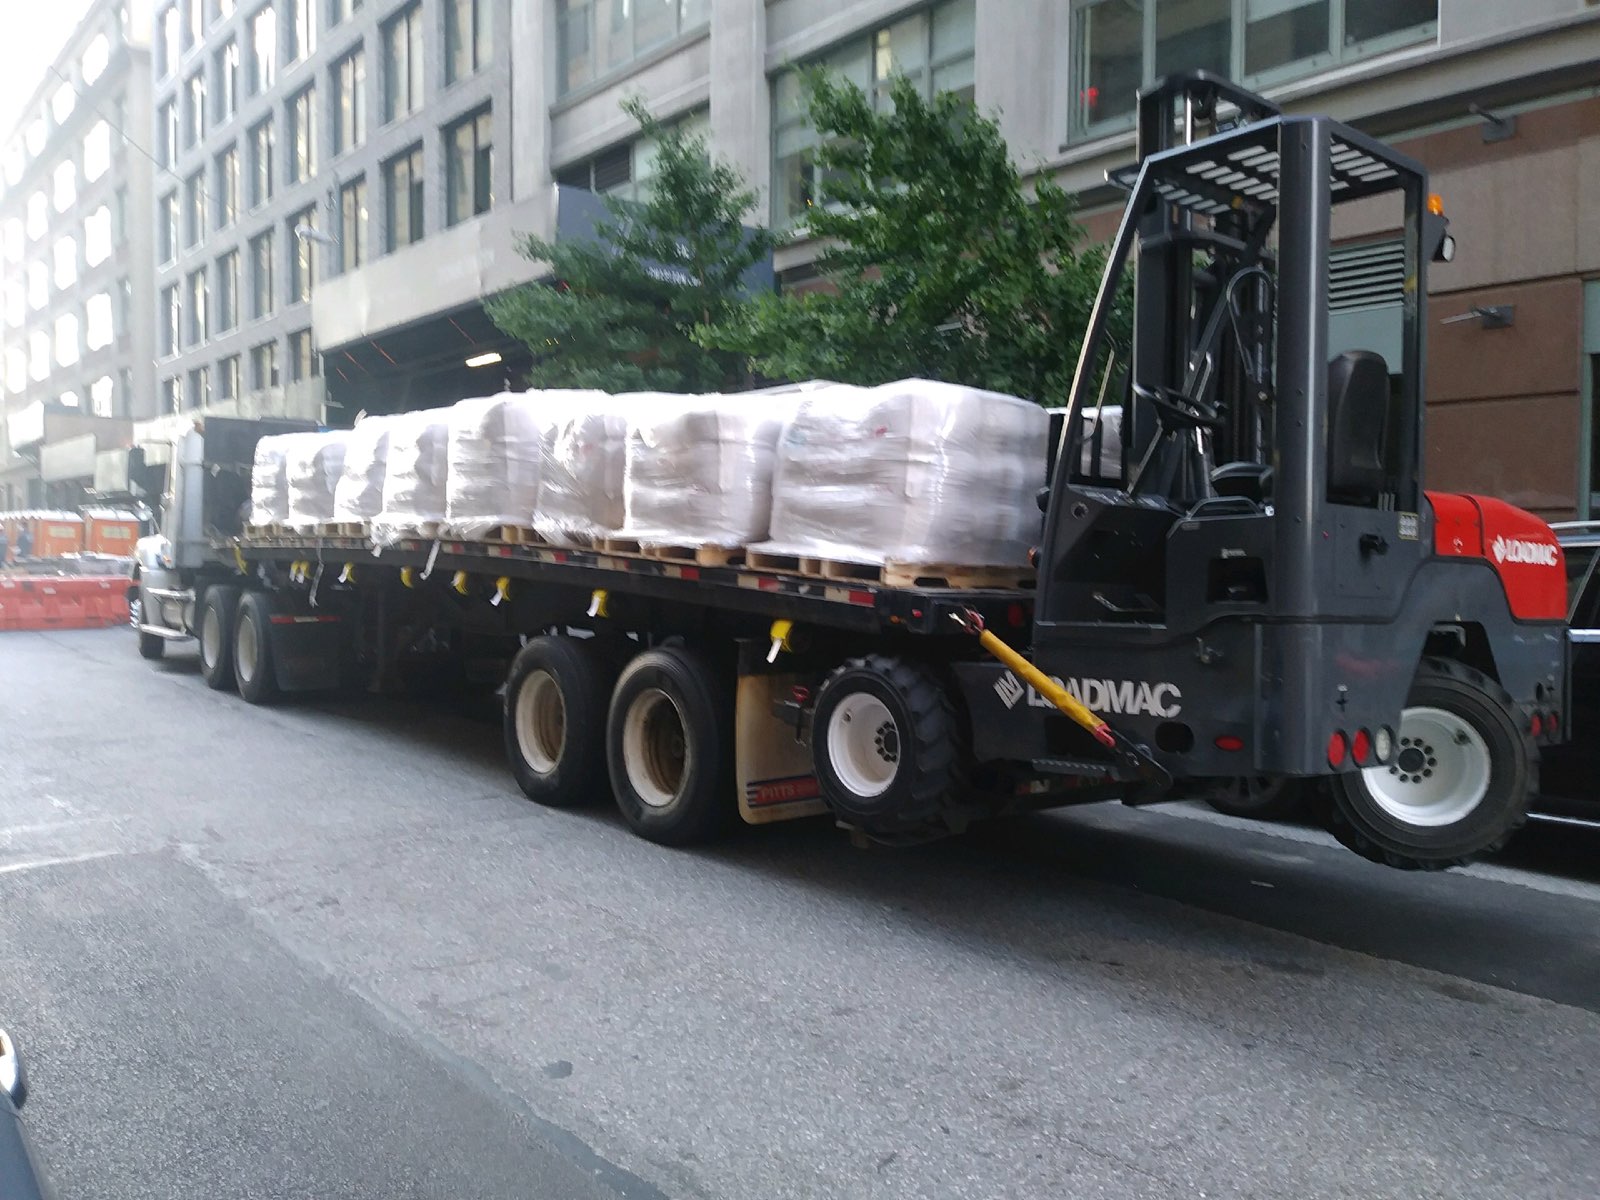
210,637
1440,773
655,748
247,648
864,744
541,722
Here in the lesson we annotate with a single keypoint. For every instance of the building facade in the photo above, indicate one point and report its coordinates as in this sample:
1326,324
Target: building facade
75,332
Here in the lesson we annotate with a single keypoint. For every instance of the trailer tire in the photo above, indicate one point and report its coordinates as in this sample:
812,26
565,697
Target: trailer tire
1258,798
252,649
669,746
888,744
1472,769
555,719
215,635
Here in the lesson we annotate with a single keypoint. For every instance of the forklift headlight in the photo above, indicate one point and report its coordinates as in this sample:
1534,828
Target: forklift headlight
1383,743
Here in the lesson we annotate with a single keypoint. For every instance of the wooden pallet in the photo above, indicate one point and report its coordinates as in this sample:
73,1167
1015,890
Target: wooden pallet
513,535
893,573
695,556
342,529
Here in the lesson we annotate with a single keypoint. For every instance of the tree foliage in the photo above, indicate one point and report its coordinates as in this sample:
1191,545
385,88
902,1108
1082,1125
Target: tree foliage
939,263
622,309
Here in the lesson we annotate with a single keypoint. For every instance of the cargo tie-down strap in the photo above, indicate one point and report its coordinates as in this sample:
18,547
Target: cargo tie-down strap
1129,752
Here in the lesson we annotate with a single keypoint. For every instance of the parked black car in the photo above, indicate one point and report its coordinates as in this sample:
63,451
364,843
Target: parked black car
1569,774
19,1170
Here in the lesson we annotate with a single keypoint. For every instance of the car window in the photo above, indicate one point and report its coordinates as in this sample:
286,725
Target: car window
1582,592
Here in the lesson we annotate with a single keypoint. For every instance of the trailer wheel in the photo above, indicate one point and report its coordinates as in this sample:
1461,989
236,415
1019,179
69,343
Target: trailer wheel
252,649
888,747
669,746
1260,798
1459,785
555,719
216,635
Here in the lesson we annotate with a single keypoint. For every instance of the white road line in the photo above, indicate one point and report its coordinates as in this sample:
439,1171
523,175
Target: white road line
30,864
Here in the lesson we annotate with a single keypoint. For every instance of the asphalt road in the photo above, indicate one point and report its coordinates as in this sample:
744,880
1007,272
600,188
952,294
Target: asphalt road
326,950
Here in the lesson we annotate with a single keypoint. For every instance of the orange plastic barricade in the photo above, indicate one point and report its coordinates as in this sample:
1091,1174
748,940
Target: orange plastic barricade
34,602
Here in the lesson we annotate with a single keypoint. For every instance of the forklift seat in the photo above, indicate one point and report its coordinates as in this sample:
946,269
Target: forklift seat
1358,425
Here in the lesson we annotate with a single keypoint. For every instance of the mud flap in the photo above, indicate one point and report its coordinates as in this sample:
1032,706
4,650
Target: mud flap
777,780
307,651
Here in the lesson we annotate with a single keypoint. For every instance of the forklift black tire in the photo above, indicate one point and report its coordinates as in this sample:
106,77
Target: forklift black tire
669,746
1464,769
557,691
215,630
1261,799
151,645
888,742
252,649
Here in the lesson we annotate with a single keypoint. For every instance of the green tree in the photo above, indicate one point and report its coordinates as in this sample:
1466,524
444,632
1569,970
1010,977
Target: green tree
621,310
940,262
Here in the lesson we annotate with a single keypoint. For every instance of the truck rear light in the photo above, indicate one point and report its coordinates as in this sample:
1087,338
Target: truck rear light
1230,742
1383,743
1536,725
1338,748
1361,747
1551,724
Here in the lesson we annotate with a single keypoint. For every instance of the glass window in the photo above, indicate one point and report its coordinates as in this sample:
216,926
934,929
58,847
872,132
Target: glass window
302,259
227,199
262,298
35,137
470,168
402,185
167,44
95,57
66,260
933,48
228,378
402,64
96,152
196,126
171,311
466,36
124,305
102,397
171,400
97,237
340,11
304,362
264,365
62,102
595,37
199,307
302,29
65,187
97,332
119,214
353,224
303,136
350,92
167,134
227,291
227,81
1373,20
263,50
194,22
168,227
66,340
263,146
194,209
199,388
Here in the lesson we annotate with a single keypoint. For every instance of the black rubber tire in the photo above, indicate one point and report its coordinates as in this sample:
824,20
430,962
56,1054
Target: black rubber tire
1361,825
703,805
584,678
151,646
255,613
219,605
927,794
1262,799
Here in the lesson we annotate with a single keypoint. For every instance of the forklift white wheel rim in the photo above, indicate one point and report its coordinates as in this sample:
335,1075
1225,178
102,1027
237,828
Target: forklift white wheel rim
1440,772
864,744
655,747
247,652
210,637
541,722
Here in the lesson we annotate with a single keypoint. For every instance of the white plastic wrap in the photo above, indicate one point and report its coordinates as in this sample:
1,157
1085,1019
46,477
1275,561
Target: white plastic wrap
911,472
269,484
699,468
496,448
414,482
580,483
359,494
313,463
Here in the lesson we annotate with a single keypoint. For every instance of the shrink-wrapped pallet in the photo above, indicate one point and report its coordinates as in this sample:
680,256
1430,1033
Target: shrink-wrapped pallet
269,485
414,479
496,446
910,472
313,463
581,468
358,497
699,468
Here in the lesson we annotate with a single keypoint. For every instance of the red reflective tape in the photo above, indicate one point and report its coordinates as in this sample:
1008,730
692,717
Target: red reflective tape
770,583
689,572
860,597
